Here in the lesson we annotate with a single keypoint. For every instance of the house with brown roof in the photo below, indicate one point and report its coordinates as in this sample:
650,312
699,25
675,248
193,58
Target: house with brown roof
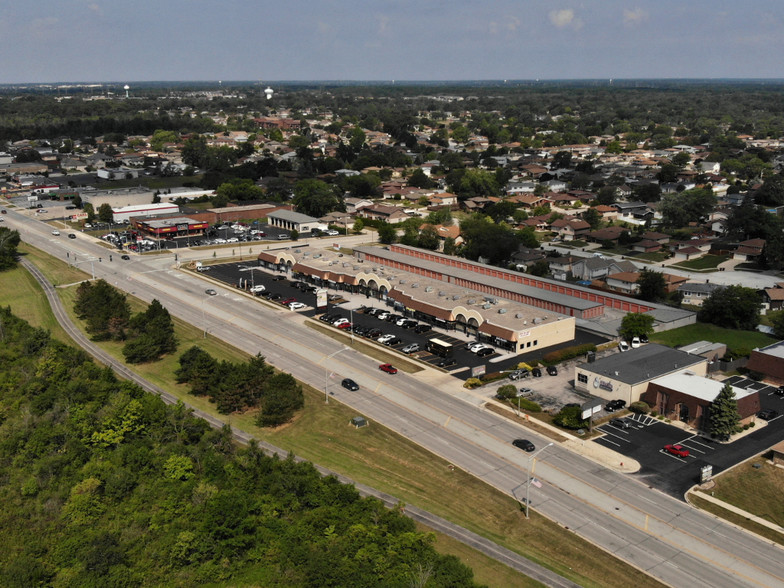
773,298
606,234
749,250
570,229
646,246
625,282
529,201
390,214
606,212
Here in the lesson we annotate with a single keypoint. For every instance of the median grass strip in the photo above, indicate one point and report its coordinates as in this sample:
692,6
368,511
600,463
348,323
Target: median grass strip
378,457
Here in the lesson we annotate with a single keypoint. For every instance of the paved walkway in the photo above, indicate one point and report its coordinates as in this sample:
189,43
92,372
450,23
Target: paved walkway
738,511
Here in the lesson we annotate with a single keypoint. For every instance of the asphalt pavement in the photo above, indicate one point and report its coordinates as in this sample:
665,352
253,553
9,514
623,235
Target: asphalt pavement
672,541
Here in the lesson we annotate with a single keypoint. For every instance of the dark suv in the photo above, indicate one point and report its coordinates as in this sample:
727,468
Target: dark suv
422,328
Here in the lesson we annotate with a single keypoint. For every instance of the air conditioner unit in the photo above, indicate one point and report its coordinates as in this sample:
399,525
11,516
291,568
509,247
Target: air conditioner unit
429,289
403,281
501,311
441,293
486,306
472,301
519,315
345,264
316,255
455,297
298,251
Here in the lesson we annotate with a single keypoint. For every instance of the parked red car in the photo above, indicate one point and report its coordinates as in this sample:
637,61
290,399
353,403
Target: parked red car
388,368
344,326
288,301
677,450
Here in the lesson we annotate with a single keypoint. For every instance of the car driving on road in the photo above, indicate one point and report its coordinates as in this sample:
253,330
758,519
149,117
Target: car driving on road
524,444
350,384
388,368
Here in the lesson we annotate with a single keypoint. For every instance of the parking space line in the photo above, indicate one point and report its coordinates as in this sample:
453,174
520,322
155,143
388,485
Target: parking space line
694,440
614,435
608,441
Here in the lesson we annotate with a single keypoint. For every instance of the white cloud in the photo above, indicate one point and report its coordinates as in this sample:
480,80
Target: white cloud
633,17
565,18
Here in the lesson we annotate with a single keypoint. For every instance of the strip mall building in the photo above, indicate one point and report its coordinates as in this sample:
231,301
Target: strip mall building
511,310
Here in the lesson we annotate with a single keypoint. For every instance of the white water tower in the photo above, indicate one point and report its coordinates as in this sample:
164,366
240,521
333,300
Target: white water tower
127,87
268,93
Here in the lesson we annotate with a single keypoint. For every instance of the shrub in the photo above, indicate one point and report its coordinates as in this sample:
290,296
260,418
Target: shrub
493,377
472,383
567,353
569,417
506,391
639,407
529,405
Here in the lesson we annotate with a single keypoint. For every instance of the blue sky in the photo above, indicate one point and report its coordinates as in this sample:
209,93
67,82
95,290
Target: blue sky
45,41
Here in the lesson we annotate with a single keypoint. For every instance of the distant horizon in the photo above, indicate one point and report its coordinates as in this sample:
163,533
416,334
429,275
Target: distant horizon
401,82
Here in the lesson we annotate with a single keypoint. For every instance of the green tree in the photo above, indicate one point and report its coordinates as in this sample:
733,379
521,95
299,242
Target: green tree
652,286
419,179
593,218
105,213
160,137
636,324
281,398
772,192
723,417
679,209
9,241
359,225
732,307
238,190
428,238
607,195
476,182
315,198
356,139
387,233
777,321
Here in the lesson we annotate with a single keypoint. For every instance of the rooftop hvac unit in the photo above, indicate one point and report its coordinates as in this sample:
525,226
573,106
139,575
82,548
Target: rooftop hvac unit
356,267
519,315
305,254
501,311
441,293
403,281
486,306
316,255
429,289
455,297
415,285
298,251
537,321
525,322
331,263
345,264
472,301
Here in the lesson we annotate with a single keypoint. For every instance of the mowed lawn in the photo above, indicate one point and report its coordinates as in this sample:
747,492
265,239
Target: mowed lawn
747,340
380,458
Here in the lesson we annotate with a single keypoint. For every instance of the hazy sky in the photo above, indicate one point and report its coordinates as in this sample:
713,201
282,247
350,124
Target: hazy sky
130,40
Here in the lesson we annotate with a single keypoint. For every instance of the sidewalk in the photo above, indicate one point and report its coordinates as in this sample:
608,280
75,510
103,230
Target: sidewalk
747,515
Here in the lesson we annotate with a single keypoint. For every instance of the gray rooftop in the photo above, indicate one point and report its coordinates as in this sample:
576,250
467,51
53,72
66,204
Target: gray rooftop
642,364
292,217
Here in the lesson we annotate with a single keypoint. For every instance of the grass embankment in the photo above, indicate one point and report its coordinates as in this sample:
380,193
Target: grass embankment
765,502
705,332
376,456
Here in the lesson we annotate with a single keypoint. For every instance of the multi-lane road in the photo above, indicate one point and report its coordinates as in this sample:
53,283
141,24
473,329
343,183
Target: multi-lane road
667,538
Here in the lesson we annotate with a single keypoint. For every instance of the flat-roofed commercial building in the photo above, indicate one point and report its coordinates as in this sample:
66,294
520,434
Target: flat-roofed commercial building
505,323
687,397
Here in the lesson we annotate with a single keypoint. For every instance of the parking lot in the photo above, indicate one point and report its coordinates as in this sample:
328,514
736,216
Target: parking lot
356,308
646,437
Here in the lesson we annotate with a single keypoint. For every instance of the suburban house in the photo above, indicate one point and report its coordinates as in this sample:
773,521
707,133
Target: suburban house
570,229
773,298
694,293
749,250
354,205
633,212
390,214
625,282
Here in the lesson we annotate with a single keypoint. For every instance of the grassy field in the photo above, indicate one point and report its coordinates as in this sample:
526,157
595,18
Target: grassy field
376,456
705,332
768,483
704,263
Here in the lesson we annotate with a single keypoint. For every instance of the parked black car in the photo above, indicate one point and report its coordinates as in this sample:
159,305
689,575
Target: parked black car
620,423
767,414
485,351
447,362
422,328
552,370
614,405
536,373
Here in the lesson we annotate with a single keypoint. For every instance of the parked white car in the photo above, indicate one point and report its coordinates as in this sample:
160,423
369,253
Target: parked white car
623,346
635,342
296,305
258,288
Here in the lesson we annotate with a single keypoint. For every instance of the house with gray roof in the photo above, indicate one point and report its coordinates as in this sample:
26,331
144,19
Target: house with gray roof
694,293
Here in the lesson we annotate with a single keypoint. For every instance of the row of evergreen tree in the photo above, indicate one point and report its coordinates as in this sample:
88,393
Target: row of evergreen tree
149,334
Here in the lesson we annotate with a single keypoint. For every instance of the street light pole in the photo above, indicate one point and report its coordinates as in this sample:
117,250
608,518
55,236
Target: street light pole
326,370
528,482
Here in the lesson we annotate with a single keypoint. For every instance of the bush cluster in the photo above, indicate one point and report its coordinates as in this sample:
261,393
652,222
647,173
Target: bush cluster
567,353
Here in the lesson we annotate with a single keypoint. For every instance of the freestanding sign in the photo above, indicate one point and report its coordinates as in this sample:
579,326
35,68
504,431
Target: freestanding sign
321,298
706,473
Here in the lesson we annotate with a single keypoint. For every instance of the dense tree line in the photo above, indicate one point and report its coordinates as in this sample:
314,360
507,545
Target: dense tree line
9,242
107,315
234,387
103,484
